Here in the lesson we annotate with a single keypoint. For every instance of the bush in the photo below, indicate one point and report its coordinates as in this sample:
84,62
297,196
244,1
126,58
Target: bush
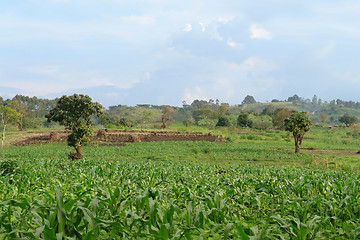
261,125
188,122
29,123
223,122
205,122
243,120
125,122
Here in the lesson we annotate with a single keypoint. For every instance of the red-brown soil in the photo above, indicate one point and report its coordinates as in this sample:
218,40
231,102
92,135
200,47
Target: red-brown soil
121,136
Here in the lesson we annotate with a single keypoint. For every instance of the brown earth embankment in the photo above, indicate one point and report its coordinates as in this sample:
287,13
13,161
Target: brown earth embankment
116,136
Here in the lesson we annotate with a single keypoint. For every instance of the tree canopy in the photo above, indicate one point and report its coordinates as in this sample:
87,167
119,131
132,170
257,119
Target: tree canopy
279,116
248,100
243,120
348,120
74,112
8,115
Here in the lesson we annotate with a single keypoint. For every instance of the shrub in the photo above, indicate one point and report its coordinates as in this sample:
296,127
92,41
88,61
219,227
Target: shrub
125,122
223,122
243,120
261,125
205,122
188,122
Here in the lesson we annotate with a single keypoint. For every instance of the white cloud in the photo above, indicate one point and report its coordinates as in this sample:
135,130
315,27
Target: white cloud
233,44
187,28
258,32
202,27
196,93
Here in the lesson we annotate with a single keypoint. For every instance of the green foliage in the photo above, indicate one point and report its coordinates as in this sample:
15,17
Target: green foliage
207,123
188,122
74,112
279,116
203,113
161,198
9,115
298,124
8,167
348,120
125,122
262,125
244,120
248,100
223,122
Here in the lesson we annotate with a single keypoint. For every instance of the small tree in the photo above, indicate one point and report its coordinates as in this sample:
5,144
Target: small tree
323,118
145,117
8,115
348,120
166,115
74,112
243,120
298,123
279,116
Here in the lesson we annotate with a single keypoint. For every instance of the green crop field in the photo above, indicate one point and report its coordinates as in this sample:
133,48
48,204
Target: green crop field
252,187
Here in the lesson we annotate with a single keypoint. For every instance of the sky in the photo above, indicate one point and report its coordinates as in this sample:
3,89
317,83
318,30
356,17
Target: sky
159,52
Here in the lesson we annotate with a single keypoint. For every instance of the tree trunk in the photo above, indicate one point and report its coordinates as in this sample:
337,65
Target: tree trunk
297,148
163,120
77,155
21,124
3,137
78,151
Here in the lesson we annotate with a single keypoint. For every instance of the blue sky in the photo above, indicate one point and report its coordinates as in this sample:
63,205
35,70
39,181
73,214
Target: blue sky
164,51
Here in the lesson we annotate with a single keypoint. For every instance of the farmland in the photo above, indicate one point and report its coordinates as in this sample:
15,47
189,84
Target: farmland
251,187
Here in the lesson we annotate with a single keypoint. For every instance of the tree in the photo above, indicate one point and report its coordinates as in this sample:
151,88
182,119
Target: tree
248,100
315,100
298,123
74,112
145,117
223,122
294,98
166,115
269,110
348,120
243,120
20,108
223,110
8,115
279,116
323,118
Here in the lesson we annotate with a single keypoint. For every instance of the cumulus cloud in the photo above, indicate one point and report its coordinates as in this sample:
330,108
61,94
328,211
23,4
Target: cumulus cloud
258,32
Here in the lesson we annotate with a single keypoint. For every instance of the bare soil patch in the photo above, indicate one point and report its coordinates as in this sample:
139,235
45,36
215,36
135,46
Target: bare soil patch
113,137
